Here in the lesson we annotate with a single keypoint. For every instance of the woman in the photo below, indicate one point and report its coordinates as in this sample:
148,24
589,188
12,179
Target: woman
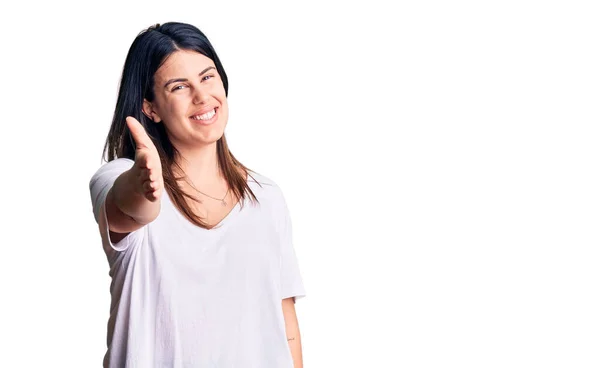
203,269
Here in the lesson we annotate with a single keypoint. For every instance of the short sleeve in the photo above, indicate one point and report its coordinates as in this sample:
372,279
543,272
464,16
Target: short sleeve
291,278
100,184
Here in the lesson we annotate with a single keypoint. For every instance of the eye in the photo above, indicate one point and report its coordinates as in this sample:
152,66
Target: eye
178,87
206,77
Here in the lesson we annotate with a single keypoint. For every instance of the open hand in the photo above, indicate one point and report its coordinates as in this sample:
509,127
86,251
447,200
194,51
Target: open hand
147,170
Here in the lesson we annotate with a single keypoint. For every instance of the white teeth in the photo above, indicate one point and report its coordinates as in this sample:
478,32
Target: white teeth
206,116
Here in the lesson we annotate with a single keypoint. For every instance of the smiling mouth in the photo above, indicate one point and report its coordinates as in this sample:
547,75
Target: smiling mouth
207,116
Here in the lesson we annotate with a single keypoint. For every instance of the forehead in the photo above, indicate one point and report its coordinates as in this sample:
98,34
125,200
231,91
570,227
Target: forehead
182,64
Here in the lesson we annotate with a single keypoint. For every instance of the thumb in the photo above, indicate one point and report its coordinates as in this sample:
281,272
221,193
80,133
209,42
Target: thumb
138,133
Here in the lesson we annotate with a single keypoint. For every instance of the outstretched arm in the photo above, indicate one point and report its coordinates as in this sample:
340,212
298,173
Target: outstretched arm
133,201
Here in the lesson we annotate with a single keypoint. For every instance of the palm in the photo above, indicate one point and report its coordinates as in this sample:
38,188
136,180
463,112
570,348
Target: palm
147,162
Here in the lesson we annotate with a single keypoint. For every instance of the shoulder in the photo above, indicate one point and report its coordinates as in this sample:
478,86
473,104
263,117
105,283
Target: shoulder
116,164
260,179
111,169
265,187
265,183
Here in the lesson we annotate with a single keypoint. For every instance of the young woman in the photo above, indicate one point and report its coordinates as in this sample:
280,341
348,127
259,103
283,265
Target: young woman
203,268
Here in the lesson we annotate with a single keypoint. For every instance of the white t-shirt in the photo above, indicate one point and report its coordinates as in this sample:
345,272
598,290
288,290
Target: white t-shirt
184,296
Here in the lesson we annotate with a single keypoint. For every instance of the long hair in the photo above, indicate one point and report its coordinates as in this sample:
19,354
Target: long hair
147,53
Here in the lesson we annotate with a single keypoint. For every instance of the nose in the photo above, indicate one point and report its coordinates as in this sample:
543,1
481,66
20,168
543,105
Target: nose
199,96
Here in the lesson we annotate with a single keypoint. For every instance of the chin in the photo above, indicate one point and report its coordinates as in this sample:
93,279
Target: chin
213,138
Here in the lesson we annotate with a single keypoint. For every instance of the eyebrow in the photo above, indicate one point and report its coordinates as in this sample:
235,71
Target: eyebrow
175,80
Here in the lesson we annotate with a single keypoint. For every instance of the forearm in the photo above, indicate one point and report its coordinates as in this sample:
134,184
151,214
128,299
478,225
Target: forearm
295,345
292,331
130,202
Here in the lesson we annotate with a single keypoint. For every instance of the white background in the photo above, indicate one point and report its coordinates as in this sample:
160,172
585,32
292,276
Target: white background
440,162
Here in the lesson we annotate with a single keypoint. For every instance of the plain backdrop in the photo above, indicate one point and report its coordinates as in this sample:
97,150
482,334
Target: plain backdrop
439,159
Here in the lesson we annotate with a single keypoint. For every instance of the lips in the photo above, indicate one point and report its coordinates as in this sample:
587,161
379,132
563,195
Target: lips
204,117
203,111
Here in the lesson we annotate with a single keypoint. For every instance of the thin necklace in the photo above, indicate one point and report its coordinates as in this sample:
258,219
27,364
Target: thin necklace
223,203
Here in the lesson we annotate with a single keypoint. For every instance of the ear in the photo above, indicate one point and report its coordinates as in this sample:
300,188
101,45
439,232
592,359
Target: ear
148,110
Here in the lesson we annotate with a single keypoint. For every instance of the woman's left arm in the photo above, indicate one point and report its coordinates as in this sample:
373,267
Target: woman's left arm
292,330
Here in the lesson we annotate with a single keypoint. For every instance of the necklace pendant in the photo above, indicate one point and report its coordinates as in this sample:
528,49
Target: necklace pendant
223,203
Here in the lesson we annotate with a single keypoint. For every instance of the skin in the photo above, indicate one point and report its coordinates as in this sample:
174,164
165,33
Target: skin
132,202
185,84
292,331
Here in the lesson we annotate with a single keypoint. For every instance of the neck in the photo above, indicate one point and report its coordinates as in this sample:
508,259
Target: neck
201,165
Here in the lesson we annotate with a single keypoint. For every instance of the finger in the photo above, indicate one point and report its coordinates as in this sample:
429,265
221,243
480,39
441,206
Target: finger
144,160
146,174
149,186
152,196
152,174
141,138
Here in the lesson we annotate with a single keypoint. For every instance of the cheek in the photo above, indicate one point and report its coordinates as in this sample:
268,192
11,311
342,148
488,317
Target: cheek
224,112
167,107
178,104
175,112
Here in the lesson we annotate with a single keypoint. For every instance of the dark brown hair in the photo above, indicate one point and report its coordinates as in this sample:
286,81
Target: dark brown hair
147,53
